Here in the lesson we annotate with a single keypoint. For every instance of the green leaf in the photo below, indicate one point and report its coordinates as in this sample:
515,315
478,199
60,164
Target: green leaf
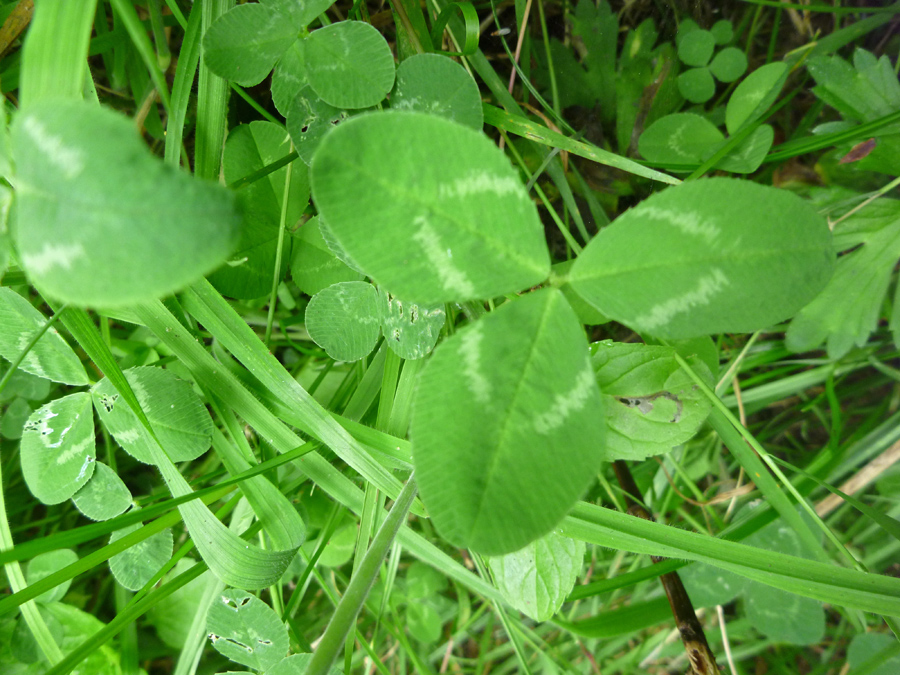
729,64
23,645
12,423
686,27
423,581
172,616
749,155
755,95
697,85
847,311
301,12
51,357
411,331
179,419
680,138
709,586
309,119
314,266
83,175
460,229
349,64
861,92
722,31
24,385
45,564
296,664
652,405
710,256
434,84
343,320
424,622
696,47
777,613
339,549
136,565
288,78
537,579
244,44
248,149
105,496
496,408
865,646
246,630
58,448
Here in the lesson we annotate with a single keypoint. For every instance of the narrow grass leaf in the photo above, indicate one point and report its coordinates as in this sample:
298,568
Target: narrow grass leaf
227,555
459,229
221,320
410,330
522,126
178,417
136,565
435,84
343,319
809,578
246,630
349,64
250,147
57,448
652,405
283,439
51,357
83,174
623,621
712,256
537,579
777,613
104,496
54,56
314,266
504,426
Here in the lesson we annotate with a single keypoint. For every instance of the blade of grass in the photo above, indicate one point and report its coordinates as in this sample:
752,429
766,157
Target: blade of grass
521,126
351,603
54,56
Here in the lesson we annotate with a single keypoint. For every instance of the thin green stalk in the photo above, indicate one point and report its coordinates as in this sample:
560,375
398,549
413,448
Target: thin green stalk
344,617
30,612
279,252
212,101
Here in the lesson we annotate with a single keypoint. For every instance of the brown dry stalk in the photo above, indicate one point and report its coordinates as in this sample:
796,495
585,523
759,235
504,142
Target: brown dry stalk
698,652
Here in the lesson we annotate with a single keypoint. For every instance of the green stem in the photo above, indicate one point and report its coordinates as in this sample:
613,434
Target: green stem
279,251
344,617
30,613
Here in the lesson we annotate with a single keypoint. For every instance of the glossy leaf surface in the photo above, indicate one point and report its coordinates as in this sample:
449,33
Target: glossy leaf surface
711,256
246,630
105,496
349,64
506,425
178,417
459,229
434,84
58,448
51,357
343,320
652,405
537,579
